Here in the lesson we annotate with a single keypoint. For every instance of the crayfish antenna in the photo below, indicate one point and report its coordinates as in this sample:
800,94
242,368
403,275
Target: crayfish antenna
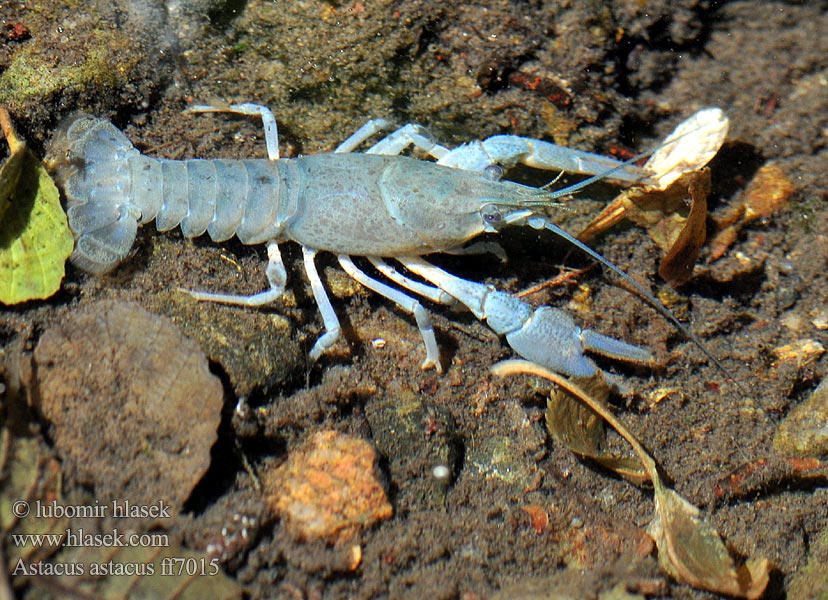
654,302
689,148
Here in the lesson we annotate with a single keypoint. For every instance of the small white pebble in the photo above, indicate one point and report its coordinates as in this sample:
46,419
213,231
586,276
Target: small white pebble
378,343
441,472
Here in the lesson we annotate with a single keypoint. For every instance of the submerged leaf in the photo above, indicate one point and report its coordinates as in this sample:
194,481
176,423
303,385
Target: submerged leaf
675,218
525,367
689,549
689,148
574,425
672,207
766,193
35,240
677,266
692,552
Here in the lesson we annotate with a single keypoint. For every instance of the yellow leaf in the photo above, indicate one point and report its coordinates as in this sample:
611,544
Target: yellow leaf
35,240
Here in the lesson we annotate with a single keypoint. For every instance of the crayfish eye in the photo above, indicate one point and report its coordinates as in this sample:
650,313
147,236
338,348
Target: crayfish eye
491,214
493,172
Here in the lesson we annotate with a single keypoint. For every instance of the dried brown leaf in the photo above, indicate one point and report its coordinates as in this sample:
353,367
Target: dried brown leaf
767,192
599,408
613,213
677,266
576,426
676,223
689,148
689,549
675,218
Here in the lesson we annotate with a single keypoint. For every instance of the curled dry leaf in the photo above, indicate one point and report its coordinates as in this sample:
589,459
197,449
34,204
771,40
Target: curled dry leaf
575,425
689,148
35,240
672,207
675,218
677,265
689,549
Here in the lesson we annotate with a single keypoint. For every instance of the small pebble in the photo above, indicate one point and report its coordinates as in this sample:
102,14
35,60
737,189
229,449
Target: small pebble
328,488
804,432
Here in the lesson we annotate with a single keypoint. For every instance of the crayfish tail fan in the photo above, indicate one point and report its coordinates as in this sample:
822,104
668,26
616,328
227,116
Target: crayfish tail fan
90,158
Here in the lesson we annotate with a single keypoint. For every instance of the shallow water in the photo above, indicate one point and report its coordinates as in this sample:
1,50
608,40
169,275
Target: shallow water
598,76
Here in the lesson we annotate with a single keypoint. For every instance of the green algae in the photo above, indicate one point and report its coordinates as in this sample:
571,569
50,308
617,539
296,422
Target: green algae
35,72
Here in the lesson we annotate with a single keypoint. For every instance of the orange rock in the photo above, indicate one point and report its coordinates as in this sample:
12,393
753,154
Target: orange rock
328,488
